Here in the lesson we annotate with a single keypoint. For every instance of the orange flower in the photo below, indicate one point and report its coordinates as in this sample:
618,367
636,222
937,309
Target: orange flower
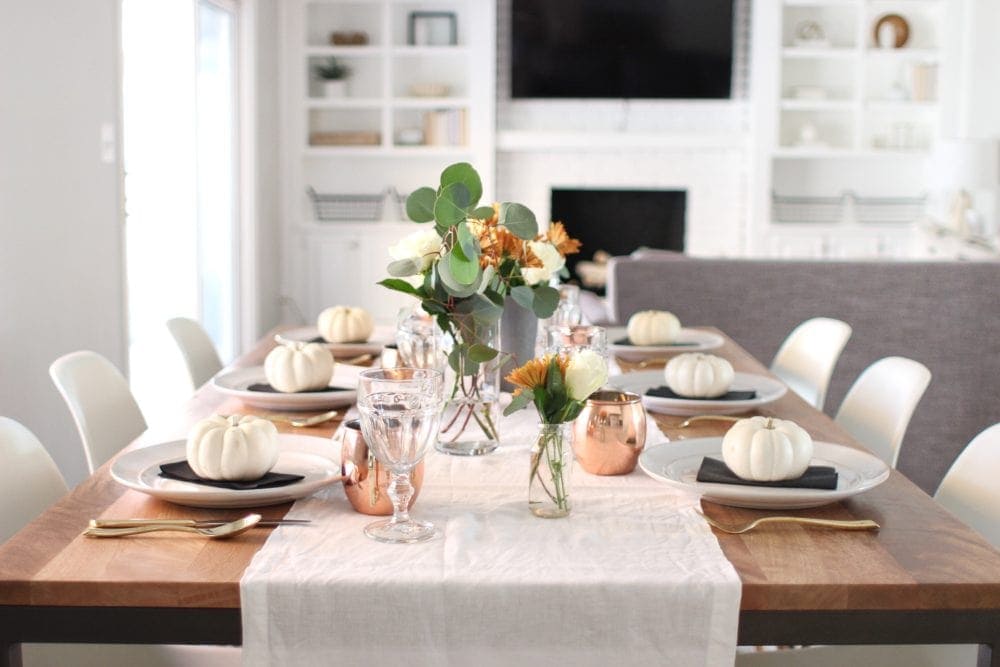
561,240
535,373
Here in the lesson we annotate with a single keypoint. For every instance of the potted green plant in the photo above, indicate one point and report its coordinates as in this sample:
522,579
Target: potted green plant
333,75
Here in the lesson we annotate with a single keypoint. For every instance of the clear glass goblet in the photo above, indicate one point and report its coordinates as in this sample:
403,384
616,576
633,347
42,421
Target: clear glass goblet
400,418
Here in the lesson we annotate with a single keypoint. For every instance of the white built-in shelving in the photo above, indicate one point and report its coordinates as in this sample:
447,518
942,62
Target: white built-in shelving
415,101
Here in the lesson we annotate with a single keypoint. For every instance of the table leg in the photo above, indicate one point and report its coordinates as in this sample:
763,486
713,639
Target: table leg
10,654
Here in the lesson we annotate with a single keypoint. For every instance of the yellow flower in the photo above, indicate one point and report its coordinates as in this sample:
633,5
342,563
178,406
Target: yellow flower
535,373
558,237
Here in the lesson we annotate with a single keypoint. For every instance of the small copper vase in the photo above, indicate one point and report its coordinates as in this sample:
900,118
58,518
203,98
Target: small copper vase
366,481
610,433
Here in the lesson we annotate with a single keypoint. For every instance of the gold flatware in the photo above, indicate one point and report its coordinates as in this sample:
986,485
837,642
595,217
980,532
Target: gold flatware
300,422
722,418
360,359
645,363
859,524
194,523
228,529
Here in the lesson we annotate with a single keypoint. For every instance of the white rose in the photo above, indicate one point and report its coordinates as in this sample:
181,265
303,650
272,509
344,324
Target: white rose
422,245
586,373
552,261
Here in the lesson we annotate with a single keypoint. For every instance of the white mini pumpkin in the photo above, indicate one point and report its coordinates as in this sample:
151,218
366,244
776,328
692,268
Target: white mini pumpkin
764,449
235,448
653,327
292,367
345,324
696,375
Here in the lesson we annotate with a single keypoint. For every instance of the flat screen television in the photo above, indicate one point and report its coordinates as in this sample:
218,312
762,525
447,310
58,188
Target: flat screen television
632,49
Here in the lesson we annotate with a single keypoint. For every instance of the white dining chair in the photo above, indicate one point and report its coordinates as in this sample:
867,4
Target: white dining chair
197,348
101,403
29,483
29,478
970,492
877,408
806,358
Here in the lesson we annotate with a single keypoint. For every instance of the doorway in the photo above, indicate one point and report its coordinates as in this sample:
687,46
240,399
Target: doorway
180,102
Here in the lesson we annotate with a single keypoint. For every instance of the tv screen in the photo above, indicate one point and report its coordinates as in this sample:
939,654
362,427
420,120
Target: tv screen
640,49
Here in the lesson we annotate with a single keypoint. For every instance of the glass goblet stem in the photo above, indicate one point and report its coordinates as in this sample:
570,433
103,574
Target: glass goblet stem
400,491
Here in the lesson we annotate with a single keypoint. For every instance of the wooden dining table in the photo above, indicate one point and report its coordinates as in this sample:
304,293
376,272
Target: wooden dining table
924,578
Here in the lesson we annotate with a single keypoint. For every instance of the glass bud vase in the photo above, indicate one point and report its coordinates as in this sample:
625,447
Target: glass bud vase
472,407
551,469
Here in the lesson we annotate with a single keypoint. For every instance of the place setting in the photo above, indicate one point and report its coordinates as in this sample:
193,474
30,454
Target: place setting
694,383
349,332
765,463
296,376
653,336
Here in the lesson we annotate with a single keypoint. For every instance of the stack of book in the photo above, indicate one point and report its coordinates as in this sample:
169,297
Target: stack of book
445,127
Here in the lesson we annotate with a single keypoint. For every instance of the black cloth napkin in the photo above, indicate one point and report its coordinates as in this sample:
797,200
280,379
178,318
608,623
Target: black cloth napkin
265,387
667,392
626,341
182,470
815,477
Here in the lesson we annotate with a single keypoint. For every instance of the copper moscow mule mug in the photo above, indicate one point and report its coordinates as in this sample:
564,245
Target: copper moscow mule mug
610,433
366,481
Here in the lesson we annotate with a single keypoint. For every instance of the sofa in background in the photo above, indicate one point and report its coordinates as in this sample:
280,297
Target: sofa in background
943,314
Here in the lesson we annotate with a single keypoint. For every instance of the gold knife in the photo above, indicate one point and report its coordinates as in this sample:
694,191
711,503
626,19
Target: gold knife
194,523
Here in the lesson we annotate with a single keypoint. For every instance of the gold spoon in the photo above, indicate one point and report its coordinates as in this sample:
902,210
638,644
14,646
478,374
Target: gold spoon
224,530
301,422
859,524
722,418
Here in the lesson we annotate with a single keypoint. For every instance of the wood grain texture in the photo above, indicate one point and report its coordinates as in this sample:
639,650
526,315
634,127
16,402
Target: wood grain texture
922,559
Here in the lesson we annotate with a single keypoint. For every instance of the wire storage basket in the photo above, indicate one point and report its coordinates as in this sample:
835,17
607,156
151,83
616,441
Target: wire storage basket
889,209
346,207
785,208
343,207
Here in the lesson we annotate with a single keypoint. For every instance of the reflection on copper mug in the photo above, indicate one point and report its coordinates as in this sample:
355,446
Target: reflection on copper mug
366,481
610,433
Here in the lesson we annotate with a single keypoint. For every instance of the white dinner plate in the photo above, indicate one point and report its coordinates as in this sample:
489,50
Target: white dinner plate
768,391
381,337
343,390
300,455
688,340
677,463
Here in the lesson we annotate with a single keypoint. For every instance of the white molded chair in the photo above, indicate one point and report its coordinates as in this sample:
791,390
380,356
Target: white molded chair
969,489
197,348
29,483
806,358
877,408
29,478
970,492
98,396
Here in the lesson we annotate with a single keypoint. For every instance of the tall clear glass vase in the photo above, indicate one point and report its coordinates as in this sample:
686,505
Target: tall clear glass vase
472,410
551,469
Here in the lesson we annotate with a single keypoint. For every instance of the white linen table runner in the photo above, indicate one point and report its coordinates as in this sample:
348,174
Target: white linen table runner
633,576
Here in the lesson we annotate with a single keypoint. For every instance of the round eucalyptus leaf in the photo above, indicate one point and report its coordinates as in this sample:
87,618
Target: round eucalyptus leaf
404,267
519,219
464,173
546,300
420,205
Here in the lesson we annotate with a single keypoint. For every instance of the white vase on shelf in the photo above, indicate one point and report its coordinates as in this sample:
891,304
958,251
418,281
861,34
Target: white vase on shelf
335,88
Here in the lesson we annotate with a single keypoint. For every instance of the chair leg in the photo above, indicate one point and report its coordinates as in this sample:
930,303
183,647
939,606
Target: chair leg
10,654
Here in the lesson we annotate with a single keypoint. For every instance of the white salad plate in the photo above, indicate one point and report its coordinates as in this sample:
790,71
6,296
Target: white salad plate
688,340
768,391
677,464
381,337
343,390
305,455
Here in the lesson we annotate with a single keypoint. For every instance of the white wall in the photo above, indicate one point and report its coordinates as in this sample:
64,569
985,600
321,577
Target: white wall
266,167
61,276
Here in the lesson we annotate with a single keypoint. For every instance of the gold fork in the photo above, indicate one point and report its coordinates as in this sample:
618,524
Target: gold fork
859,524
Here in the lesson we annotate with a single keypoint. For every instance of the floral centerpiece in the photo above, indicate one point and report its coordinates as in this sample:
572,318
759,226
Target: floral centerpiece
558,385
463,269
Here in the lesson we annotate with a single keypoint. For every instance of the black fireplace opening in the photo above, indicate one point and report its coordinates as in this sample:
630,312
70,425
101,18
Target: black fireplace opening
618,222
